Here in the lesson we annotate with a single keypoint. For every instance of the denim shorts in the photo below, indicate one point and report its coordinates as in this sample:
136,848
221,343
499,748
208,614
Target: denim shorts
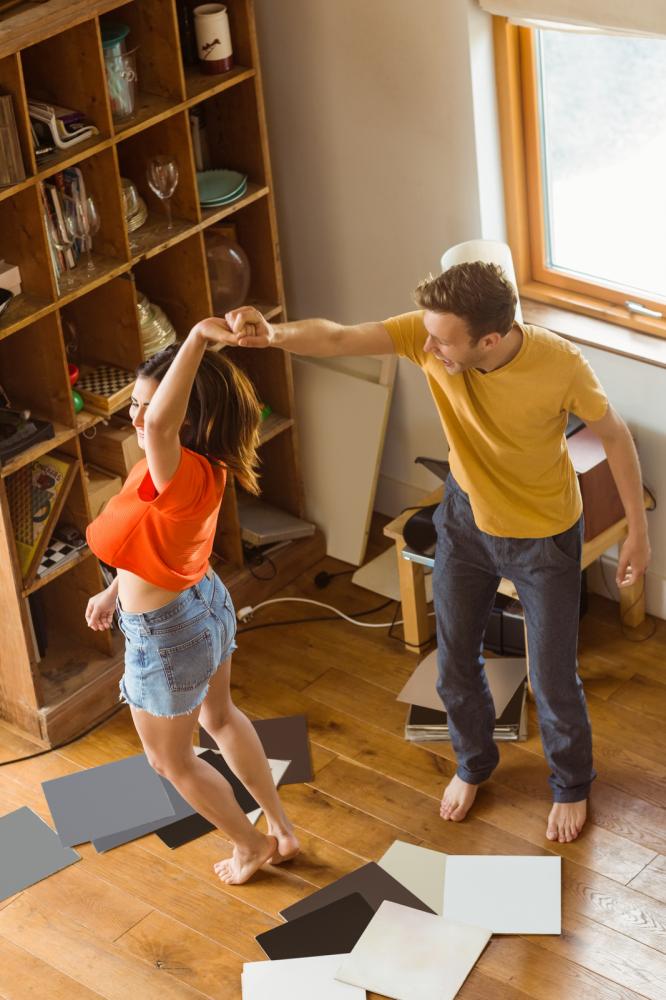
172,653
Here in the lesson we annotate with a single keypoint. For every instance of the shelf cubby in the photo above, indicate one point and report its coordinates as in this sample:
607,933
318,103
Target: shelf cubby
154,35
23,242
68,70
33,372
105,324
176,280
233,131
11,82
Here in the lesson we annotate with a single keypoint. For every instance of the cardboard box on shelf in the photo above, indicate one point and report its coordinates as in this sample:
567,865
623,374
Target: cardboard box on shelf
101,486
113,446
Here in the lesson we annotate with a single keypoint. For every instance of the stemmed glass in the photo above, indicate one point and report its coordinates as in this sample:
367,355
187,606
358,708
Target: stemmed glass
162,177
62,240
83,222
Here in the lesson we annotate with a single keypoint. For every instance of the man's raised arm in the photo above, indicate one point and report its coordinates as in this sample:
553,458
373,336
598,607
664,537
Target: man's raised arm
246,327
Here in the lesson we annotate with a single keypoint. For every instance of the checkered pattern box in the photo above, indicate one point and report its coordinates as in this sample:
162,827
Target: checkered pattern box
113,447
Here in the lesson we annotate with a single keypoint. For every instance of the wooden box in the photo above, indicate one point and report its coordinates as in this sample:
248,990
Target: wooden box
601,501
101,486
113,447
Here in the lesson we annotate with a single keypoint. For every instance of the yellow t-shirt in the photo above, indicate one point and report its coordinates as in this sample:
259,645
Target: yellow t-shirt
505,428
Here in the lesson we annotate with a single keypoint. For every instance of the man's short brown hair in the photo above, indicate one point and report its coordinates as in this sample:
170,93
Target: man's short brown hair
479,293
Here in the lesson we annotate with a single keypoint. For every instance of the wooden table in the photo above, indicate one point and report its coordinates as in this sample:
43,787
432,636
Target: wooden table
412,578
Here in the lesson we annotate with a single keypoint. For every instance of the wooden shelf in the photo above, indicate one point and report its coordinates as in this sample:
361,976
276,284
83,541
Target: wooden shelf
42,581
56,55
62,434
274,425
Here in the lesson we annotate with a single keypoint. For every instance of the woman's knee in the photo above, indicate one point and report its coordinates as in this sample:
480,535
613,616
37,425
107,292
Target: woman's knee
169,765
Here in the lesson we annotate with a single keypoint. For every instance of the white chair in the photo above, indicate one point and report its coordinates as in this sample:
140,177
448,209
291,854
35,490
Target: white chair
490,252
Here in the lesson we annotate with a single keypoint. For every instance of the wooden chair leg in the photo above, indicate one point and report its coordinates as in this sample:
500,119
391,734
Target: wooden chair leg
413,598
632,604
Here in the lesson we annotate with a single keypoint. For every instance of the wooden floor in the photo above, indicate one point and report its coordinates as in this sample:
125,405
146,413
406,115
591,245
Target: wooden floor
147,922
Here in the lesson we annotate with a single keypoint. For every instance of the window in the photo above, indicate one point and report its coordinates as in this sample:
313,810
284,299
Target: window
583,118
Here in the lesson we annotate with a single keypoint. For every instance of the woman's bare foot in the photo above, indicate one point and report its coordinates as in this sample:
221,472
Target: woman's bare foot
243,863
566,820
457,799
287,844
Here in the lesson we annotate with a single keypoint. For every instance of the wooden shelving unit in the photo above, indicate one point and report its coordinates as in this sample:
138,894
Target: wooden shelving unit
54,52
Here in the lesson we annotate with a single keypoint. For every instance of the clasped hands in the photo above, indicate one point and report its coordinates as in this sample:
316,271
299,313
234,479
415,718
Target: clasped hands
243,327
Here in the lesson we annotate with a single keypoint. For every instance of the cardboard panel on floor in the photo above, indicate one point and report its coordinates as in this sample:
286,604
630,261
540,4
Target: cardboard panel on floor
504,674
181,809
331,930
374,884
297,979
29,851
419,869
190,827
103,800
284,739
508,894
410,955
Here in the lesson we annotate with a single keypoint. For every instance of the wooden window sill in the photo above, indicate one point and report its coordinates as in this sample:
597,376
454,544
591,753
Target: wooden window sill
596,333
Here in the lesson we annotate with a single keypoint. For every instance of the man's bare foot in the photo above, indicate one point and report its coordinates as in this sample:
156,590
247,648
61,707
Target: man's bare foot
242,864
287,844
457,799
566,820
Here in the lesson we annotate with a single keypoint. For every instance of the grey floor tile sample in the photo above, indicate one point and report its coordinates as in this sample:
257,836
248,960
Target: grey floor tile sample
180,810
100,801
419,869
282,738
507,893
409,955
331,930
371,881
297,979
29,851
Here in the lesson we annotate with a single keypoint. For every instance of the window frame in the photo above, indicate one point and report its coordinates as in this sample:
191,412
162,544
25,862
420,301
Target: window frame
520,136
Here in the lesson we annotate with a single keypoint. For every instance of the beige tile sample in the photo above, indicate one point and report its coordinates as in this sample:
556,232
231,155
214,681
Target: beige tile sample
419,869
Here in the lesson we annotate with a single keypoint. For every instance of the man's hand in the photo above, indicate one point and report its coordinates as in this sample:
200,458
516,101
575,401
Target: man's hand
634,558
250,327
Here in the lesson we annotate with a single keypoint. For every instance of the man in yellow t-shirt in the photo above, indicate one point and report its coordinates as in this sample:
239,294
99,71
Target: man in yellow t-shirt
512,507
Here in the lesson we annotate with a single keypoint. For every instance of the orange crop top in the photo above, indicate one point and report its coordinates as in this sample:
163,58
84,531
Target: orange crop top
165,538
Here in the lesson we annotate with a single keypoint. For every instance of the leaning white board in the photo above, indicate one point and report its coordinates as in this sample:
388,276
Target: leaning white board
342,407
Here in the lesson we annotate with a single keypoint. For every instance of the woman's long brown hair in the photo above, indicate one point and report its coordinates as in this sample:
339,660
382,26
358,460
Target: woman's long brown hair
223,413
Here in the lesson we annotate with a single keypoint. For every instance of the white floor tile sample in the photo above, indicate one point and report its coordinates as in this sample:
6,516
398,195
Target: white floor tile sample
297,979
510,895
419,869
411,955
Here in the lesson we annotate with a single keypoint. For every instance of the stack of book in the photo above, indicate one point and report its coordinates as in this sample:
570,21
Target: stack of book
426,715
12,170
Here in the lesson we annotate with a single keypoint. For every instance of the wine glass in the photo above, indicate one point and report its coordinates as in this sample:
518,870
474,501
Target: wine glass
83,222
162,177
62,240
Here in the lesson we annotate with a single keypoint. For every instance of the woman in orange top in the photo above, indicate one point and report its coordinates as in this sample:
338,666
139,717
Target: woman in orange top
196,415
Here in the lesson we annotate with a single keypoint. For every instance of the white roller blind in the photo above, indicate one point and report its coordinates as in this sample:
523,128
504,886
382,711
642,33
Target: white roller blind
640,17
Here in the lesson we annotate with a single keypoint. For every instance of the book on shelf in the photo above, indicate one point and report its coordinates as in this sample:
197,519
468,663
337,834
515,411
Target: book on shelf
261,523
36,493
66,126
427,724
12,169
66,185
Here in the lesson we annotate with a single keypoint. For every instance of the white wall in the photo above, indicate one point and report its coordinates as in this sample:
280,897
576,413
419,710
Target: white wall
384,141
374,147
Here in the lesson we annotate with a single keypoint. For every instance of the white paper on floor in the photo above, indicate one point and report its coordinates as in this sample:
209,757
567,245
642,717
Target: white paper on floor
510,895
419,869
407,954
503,673
297,979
